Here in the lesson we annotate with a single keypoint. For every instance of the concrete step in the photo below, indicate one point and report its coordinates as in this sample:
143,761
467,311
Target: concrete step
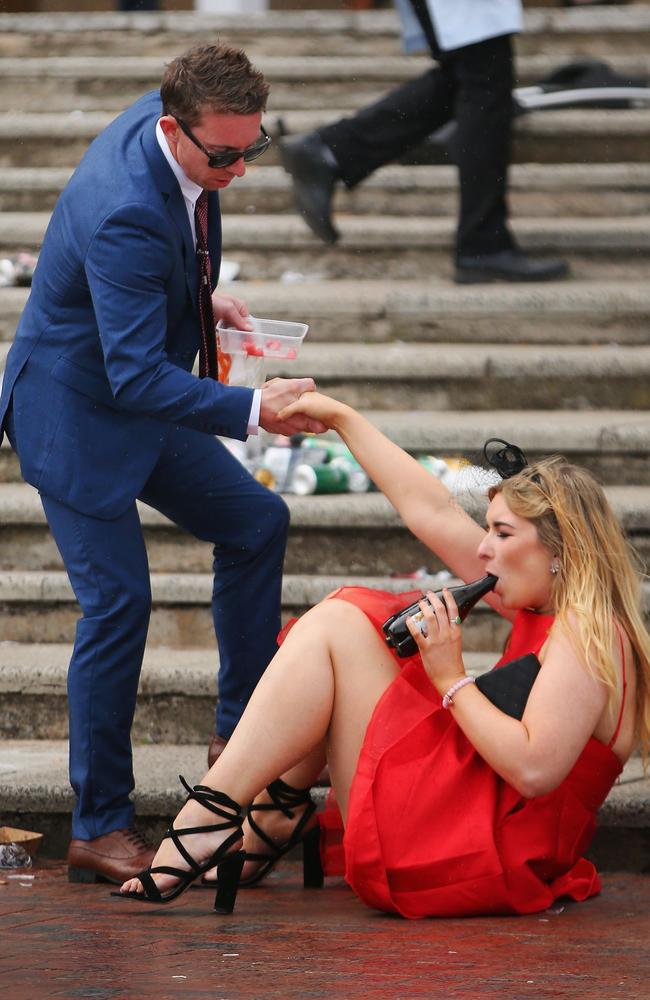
176,696
267,246
614,444
433,310
590,189
353,534
597,32
112,82
576,136
35,794
437,376
38,606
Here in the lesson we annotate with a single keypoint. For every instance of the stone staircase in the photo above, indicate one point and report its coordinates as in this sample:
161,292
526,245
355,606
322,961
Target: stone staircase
440,368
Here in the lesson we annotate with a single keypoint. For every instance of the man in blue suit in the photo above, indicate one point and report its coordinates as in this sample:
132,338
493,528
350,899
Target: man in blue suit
100,403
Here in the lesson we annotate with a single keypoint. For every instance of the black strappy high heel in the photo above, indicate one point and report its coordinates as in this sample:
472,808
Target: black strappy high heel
286,799
228,865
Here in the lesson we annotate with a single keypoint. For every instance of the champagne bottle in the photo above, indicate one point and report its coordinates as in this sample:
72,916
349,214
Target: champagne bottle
466,596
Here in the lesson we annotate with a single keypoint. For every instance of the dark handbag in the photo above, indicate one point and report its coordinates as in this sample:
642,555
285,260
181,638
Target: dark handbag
508,686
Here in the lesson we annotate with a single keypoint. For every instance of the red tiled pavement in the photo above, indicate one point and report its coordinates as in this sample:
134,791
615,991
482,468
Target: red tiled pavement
70,941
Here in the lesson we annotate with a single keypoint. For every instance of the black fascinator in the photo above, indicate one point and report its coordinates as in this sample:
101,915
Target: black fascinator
507,459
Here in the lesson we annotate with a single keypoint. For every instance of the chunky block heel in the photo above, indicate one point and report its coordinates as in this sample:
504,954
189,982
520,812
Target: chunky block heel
84,875
312,868
286,799
228,875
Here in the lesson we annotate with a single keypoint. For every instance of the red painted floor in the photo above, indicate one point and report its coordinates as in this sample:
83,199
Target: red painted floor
73,941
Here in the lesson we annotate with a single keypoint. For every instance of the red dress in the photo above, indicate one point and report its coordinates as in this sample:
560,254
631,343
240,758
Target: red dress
433,831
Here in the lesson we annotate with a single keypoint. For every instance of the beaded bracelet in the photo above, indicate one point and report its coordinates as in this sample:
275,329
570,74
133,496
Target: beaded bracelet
448,699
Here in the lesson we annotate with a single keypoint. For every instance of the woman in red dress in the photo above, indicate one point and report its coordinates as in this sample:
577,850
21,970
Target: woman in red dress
450,806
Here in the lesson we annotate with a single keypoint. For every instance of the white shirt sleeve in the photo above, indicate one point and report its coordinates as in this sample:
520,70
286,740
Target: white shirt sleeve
254,418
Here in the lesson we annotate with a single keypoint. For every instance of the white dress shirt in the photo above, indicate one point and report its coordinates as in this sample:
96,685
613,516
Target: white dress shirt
464,22
191,192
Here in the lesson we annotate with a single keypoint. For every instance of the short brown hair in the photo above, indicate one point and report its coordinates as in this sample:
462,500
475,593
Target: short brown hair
216,78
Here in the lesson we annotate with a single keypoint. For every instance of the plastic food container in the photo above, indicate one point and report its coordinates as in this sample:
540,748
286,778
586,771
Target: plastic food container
243,353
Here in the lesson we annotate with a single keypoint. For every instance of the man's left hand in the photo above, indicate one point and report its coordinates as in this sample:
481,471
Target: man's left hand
231,311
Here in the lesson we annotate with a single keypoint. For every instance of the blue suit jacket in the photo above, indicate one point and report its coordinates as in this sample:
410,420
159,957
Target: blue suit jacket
101,363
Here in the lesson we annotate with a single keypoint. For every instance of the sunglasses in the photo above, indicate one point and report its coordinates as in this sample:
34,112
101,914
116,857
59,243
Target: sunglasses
229,156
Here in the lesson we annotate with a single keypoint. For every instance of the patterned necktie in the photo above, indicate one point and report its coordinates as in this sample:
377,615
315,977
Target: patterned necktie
208,362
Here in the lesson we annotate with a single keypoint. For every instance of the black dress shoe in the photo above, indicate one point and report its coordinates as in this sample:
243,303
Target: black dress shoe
507,265
311,165
215,748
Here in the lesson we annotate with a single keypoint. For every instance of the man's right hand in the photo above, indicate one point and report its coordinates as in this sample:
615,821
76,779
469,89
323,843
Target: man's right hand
280,392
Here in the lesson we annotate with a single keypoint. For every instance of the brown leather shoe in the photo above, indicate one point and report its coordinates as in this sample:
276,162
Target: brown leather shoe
216,748
114,857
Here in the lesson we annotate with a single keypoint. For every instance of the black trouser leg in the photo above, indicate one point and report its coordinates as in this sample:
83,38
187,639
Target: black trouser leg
391,126
484,111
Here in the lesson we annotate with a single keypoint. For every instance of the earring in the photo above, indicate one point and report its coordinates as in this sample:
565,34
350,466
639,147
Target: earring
555,569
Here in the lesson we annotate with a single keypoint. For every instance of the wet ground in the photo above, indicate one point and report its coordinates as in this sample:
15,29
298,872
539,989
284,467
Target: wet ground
72,941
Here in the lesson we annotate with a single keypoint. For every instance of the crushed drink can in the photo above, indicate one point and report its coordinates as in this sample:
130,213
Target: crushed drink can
324,478
358,481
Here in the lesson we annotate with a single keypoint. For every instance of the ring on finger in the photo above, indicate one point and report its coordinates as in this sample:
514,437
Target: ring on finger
419,622
455,621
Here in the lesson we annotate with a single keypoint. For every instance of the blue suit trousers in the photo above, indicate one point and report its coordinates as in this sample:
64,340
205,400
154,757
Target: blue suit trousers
202,488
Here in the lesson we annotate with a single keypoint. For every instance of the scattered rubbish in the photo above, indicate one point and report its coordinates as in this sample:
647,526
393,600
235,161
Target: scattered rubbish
14,856
307,464
17,270
322,478
229,270
459,476
17,848
295,277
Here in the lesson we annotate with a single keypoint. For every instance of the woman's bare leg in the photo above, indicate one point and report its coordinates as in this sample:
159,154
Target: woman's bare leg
321,686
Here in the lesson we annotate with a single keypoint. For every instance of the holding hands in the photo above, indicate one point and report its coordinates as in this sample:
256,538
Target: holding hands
315,406
285,408
437,634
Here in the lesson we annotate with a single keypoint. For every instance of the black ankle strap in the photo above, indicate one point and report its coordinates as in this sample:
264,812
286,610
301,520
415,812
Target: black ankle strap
285,797
212,799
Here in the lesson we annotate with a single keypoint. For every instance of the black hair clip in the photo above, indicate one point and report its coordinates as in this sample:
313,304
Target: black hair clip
508,459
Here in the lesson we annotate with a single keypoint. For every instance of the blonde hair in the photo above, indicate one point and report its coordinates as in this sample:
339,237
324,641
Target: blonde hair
598,582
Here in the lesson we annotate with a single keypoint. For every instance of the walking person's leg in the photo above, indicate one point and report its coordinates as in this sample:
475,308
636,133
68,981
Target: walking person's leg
485,248
484,114
354,147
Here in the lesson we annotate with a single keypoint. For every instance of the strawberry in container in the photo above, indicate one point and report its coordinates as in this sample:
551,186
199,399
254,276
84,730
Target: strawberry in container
243,354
